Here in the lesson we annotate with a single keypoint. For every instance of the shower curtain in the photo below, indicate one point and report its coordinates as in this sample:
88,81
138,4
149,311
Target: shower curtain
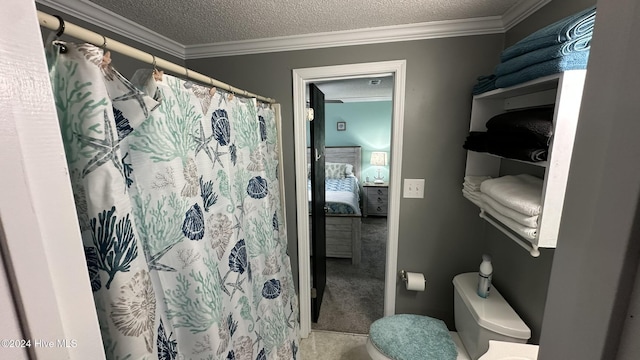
177,197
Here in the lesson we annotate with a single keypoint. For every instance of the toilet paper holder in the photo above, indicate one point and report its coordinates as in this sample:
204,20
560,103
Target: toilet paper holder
403,276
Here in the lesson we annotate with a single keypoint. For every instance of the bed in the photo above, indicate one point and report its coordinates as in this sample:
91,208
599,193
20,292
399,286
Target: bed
343,219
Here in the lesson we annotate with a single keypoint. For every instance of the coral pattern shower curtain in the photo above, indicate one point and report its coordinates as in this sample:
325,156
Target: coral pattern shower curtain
176,190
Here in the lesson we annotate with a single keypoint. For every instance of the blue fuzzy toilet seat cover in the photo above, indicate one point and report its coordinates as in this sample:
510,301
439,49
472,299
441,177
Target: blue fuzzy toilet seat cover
413,337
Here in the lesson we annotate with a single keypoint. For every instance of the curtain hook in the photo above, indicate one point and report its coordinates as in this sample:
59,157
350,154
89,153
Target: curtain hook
231,93
188,83
212,91
157,74
61,26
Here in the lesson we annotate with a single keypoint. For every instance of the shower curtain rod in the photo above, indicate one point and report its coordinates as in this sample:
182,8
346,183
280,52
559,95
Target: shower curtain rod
57,24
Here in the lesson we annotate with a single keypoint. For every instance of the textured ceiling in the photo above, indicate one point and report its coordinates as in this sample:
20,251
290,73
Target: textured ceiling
191,22
358,89
191,29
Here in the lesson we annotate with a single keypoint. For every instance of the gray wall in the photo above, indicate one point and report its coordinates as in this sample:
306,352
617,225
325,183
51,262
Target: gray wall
629,345
596,260
439,235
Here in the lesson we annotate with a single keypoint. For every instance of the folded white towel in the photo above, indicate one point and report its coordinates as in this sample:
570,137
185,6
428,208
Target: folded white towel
524,231
474,198
472,194
522,193
529,221
473,181
470,187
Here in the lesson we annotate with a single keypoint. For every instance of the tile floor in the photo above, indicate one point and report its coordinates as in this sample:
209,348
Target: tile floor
329,345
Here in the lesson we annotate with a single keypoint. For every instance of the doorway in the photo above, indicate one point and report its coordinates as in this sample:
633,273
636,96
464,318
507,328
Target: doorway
301,78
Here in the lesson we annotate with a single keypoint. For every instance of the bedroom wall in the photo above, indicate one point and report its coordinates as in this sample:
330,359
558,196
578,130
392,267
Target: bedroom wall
522,279
438,234
368,124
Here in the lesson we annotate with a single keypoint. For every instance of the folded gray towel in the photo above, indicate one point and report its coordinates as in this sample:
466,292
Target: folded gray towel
535,124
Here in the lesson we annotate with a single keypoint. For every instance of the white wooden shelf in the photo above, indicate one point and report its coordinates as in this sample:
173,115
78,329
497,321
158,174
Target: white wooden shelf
564,92
534,163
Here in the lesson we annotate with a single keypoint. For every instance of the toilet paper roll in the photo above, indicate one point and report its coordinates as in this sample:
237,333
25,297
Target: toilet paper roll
415,281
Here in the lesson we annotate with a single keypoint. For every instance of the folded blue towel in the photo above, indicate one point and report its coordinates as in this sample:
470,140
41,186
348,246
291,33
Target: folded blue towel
485,83
572,61
580,47
572,27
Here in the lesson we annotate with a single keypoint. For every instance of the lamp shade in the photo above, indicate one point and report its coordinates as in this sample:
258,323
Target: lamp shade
379,158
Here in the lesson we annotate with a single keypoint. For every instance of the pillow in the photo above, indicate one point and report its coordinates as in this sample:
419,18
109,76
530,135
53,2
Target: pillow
337,170
334,170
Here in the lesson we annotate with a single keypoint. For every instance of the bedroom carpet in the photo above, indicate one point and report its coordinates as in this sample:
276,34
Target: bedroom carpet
354,294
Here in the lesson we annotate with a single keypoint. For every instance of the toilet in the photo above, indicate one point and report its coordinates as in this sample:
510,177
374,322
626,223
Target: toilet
478,320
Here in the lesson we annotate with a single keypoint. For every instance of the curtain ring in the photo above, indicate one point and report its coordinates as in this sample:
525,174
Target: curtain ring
153,63
61,26
186,71
104,42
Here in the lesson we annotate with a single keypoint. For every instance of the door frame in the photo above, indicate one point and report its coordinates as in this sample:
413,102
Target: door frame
302,77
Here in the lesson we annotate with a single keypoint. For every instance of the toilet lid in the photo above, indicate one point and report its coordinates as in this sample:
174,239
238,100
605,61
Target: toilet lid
412,337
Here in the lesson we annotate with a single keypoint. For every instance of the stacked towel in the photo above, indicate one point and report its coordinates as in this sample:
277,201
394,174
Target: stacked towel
485,83
577,50
524,231
522,193
474,182
561,46
553,66
531,126
526,220
571,28
471,188
515,201
523,135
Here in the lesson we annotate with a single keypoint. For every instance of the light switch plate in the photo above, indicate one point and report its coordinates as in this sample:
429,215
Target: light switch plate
414,188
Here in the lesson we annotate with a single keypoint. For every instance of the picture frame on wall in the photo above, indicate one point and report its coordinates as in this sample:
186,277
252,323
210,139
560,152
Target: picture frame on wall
342,126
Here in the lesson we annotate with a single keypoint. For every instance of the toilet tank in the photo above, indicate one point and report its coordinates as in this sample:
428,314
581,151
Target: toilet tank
479,320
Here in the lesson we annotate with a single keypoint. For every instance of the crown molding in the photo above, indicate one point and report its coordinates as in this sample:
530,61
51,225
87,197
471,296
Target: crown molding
383,34
521,11
87,11
108,20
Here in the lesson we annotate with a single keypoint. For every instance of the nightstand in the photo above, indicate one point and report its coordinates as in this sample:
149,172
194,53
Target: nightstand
376,199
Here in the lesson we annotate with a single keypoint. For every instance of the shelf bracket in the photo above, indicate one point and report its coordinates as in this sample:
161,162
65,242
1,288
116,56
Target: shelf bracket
532,249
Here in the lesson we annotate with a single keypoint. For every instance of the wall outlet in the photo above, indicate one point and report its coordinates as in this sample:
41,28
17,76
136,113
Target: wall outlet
414,188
